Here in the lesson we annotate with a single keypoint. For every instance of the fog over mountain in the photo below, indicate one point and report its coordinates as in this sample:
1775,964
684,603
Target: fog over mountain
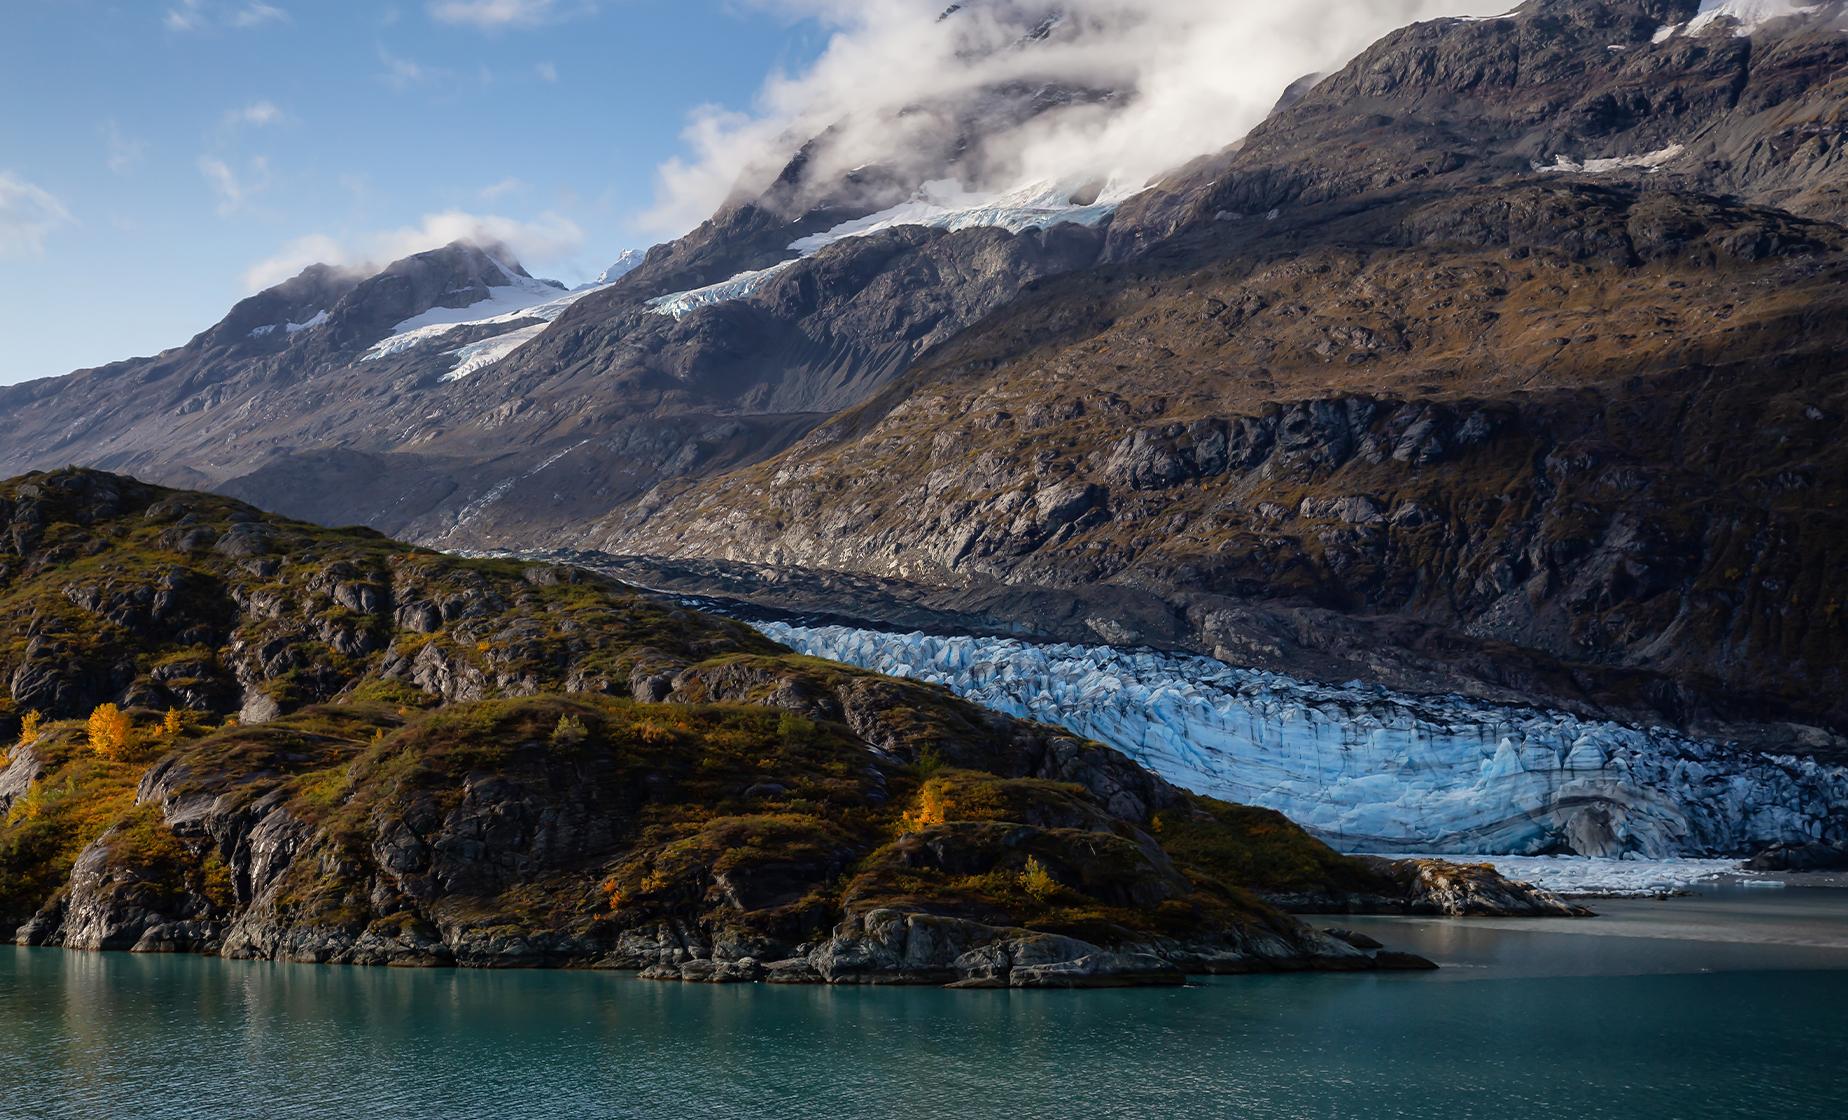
1176,79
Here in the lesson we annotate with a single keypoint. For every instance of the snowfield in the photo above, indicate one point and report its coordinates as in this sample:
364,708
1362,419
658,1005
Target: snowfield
512,307
1370,770
1747,16
942,204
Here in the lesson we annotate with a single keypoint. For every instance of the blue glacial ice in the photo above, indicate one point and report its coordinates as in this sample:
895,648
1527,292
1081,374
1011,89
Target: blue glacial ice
1371,770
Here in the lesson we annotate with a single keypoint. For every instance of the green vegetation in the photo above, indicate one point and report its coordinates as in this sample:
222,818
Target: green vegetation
451,756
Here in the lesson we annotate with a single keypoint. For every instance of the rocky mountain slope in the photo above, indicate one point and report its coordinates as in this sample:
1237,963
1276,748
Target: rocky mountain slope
1427,382
1504,360
440,761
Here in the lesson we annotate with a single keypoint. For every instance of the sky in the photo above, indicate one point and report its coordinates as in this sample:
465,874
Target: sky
161,159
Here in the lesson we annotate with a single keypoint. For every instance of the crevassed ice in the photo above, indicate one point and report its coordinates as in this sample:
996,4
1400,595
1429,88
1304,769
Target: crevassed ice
742,286
940,204
1376,771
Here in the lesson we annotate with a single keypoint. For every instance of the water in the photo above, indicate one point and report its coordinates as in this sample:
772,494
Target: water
1613,1017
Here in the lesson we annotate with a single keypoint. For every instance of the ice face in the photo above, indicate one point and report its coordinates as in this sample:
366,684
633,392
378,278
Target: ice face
1375,771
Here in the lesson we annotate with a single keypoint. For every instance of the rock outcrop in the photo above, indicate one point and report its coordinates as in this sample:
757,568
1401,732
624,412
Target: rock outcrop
320,745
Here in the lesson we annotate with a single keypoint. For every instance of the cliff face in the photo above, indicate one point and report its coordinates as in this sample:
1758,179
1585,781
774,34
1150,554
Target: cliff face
459,762
1456,374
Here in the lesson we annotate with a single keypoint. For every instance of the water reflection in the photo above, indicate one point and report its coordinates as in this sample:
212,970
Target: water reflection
115,1035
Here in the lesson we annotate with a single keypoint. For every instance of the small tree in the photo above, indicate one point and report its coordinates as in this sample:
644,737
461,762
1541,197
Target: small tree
570,732
172,724
1037,881
29,726
112,733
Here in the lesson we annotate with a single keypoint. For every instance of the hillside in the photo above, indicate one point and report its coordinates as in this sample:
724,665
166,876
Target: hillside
239,734
1504,360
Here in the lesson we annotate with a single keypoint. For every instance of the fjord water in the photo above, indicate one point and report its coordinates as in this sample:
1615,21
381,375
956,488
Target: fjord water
1656,1014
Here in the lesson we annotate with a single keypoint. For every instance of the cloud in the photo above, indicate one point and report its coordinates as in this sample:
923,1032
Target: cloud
403,73
258,114
547,72
1188,77
495,14
502,189
124,153
256,15
234,190
198,15
546,238
28,215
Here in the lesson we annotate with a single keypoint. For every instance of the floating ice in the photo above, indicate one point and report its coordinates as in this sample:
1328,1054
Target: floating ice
1613,878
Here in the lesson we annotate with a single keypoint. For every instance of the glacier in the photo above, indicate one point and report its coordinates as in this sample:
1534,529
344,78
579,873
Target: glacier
1746,16
939,204
1371,770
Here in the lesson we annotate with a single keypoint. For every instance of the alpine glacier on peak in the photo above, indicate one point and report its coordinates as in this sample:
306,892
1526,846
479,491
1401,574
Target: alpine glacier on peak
939,204
1747,16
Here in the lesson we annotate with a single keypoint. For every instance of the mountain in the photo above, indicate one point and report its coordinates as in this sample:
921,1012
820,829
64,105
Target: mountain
373,753
1503,360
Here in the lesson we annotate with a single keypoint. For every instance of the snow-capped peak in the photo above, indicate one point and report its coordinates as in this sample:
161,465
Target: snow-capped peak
626,262
1747,16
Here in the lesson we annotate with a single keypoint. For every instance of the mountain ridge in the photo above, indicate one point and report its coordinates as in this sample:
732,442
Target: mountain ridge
1481,245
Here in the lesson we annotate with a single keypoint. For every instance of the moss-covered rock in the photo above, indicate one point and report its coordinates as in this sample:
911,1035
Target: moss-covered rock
460,762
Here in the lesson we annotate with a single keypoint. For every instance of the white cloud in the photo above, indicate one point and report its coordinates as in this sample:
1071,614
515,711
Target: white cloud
403,73
502,189
549,237
498,13
28,215
234,189
258,114
547,72
256,15
124,152
1197,74
198,15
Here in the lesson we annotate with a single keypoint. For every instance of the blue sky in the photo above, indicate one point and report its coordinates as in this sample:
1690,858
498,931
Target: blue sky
159,157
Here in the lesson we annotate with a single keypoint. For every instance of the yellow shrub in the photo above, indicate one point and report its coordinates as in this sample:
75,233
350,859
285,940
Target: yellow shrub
29,728
933,808
1037,881
172,724
112,733
651,733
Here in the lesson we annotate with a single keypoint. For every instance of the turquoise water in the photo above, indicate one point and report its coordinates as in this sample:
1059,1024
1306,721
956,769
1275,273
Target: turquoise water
1552,1022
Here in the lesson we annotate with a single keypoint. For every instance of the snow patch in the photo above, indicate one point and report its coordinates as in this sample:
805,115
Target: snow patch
314,321
1653,162
1371,770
